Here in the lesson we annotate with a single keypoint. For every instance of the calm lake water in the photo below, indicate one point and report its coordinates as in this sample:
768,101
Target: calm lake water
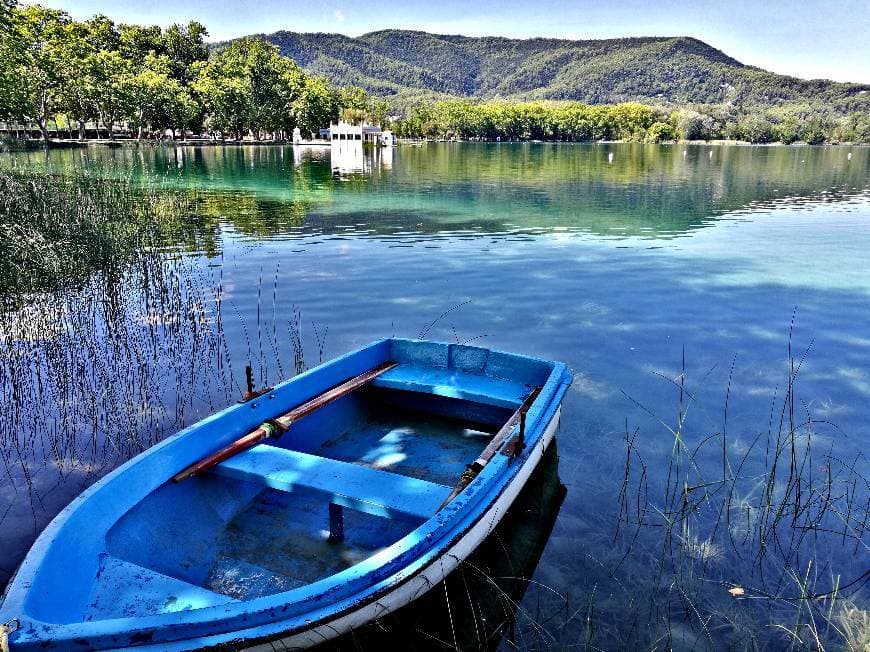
644,268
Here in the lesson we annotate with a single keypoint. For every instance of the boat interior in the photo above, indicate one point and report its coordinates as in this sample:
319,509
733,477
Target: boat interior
349,478
341,484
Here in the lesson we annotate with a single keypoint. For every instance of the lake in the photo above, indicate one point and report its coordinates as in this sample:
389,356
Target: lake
713,303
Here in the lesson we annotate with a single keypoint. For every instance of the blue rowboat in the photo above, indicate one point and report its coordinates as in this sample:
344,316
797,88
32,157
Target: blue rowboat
297,515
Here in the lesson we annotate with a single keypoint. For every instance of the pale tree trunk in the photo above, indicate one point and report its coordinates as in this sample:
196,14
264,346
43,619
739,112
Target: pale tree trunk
43,127
42,118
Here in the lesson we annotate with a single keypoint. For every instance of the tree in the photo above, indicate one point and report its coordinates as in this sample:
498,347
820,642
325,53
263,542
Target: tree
275,84
660,131
136,42
854,128
313,108
630,120
379,111
353,97
41,32
225,97
787,130
755,129
692,125
110,100
815,130
12,88
6,8
249,86
147,92
183,111
76,95
185,45
102,33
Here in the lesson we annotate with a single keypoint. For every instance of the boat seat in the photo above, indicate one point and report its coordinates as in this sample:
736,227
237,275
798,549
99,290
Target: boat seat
357,487
124,590
454,383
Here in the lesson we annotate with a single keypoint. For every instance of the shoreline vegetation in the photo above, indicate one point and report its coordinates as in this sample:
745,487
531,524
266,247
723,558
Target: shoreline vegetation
67,81
35,144
93,78
715,536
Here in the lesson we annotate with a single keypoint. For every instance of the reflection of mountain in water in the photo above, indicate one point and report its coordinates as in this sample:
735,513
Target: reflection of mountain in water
478,604
647,191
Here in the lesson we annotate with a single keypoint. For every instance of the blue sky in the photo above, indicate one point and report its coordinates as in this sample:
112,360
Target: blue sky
805,38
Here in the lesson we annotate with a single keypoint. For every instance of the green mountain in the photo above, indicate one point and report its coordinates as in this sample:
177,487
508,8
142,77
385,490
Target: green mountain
676,70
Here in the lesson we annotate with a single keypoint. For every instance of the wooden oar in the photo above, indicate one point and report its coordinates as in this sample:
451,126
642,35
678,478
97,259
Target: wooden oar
278,426
473,469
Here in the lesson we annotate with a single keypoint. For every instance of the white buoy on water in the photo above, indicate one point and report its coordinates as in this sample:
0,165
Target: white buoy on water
610,157
849,156
711,153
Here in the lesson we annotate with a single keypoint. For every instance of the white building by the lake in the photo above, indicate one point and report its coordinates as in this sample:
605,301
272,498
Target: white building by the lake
363,133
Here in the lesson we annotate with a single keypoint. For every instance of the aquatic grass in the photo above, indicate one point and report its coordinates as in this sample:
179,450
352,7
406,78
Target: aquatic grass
103,356
57,229
109,341
854,624
760,551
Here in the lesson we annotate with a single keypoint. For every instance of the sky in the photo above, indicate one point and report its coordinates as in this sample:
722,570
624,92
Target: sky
804,38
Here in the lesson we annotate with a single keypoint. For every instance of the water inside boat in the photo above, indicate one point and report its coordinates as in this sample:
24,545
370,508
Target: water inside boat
372,465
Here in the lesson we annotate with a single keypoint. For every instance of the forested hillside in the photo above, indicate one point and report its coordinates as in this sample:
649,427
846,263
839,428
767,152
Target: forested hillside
666,71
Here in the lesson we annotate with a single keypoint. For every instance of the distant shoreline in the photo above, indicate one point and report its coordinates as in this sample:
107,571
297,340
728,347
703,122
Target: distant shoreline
34,145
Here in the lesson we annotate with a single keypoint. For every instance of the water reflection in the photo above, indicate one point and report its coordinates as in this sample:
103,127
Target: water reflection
607,190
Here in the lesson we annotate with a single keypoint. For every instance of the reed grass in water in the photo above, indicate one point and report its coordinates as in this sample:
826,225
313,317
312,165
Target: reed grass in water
56,230
759,544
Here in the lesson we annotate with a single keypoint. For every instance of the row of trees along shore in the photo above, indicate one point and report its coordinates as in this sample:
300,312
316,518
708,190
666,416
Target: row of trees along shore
573,121
70,73
55,71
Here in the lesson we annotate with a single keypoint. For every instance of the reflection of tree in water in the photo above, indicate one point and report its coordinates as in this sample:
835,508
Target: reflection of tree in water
642,190
208,212
58,230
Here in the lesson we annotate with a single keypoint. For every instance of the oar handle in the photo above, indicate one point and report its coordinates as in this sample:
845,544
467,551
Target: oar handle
278,426
248,441
473,469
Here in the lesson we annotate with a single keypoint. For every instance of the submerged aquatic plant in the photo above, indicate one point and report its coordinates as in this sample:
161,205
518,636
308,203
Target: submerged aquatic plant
754,550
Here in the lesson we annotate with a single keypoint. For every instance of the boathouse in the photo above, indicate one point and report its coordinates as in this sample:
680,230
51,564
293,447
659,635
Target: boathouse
364,133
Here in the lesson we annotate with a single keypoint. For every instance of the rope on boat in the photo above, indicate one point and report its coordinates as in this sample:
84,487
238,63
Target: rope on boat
270,430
